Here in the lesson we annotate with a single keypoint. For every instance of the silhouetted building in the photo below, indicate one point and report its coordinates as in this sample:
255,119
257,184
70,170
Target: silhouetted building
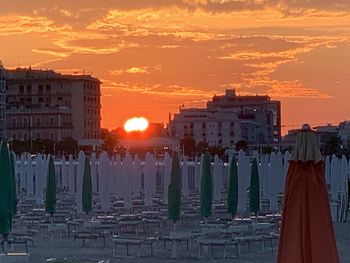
259,108
230,118
48,105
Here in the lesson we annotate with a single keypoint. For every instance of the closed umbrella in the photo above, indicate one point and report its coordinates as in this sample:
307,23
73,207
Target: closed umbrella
6,195
174,193
307,233
232,192
86,195
206,194
167,174
254,189
13,182
50,200
185,186
344,200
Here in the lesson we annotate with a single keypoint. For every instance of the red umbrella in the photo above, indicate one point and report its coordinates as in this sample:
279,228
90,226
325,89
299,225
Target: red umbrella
307,233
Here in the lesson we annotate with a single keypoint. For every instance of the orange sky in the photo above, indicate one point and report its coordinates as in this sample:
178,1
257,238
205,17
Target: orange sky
153,56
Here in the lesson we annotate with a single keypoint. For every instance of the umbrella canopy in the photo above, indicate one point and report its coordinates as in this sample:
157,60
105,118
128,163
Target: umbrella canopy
79,180
174,192
39,179
254,192
307,233
243,182
50,200
86,194
232,192
217,178
185,186
206,193
167,174
127,175
30,174
6,188
344,200
13,181
71,174
104,183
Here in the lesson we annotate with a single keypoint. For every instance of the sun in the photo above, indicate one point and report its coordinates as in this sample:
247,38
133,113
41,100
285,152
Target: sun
136,124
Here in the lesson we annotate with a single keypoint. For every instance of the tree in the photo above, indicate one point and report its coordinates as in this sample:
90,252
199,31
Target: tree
201,147
110,140
188,145
67,146
241,145
332,146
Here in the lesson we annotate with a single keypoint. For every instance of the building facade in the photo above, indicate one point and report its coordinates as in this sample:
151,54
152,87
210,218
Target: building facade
266,113
228,119
43,104
2,102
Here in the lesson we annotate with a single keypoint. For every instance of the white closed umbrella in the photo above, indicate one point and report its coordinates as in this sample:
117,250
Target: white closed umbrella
127,175
39,179
217,178
197,175
272,184
344,188
149,178
279,173
286,159
71,174
22,173
185,186
79,180
335,177
64,171
30,176
167,175
243,173
94,178
136,175
103,174
327,168
118,176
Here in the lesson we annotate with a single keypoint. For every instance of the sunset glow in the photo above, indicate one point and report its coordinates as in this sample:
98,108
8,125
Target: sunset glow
136,124
153,56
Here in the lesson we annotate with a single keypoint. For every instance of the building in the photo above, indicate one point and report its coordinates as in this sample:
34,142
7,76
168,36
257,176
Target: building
2,102
43,104
217,128
344,133
322,134
230,118
259,108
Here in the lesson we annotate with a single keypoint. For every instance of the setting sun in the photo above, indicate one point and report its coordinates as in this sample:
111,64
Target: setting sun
136,124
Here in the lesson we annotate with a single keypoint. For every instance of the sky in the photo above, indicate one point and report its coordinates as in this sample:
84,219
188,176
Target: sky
153,56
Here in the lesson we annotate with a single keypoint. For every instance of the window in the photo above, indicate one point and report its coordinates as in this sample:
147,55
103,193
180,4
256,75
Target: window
38,122
52,121
25,122
40,89
21,89
48,88
38,135
41,99
29,89
52,136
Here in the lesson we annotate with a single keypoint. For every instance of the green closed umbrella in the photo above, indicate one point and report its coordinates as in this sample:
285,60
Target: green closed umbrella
50,200
6,196
232,192
86,193
174,190
254,192
206,193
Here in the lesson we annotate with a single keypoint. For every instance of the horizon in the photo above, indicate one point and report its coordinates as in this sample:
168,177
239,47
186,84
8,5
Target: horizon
154,57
